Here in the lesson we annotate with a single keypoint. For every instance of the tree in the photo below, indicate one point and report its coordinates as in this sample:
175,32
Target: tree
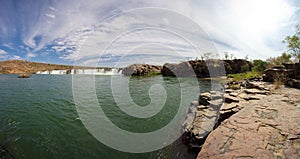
246,57
259,65
245,68
285,57
231,56
210,56
226,55
293,43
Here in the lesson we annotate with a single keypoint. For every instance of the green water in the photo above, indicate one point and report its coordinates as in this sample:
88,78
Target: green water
38,117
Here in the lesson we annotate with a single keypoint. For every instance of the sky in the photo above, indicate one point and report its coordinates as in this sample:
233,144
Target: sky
120,32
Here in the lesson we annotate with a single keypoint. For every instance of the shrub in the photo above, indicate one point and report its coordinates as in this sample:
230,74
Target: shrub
241,76
245,68
259,65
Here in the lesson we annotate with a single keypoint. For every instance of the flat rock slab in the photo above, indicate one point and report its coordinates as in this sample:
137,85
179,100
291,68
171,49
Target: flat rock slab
265,128
255,91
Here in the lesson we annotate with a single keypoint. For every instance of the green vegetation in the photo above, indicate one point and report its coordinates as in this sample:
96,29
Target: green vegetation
293,43
246,75
154,73
273,61
259,65
245,68
235,86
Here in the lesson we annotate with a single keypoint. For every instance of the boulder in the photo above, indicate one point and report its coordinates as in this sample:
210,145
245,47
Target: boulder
183,69
24,75
204,98
276,72
141,70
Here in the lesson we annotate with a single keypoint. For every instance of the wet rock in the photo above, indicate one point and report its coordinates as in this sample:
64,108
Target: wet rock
24,75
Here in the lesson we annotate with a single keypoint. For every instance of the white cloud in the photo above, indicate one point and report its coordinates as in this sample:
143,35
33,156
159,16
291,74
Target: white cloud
9,45
15,57
252,27
30,55
3,54
50,15
51,8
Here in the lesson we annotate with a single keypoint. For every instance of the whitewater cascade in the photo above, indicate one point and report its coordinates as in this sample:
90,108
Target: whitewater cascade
100,71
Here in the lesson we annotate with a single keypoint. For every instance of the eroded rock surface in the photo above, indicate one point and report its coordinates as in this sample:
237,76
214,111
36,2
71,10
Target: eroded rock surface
268,127
214,107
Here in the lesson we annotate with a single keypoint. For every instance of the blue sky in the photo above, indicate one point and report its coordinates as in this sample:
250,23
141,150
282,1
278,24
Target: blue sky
113,32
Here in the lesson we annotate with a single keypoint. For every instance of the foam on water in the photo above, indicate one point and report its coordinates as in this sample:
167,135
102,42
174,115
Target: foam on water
100,71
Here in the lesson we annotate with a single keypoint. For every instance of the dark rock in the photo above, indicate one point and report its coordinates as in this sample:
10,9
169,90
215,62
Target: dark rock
24,75
141,70
183,69
208,68
276,73
230,99
204,98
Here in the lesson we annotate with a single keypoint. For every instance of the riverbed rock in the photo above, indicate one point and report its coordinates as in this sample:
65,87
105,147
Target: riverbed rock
230,99
24,75
265,128
255,91
204,98
215,107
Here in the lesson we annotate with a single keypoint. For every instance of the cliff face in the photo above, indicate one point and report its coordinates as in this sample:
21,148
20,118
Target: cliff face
20,66
209,68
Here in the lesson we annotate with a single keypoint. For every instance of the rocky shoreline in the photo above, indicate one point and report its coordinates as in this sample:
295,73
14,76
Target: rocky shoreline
255,121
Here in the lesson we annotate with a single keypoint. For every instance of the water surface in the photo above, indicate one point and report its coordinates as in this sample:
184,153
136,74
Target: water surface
38,117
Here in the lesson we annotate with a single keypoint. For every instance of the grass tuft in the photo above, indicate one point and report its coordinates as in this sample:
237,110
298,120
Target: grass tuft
247,75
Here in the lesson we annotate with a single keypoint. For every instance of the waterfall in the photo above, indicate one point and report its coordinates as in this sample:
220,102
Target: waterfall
98,71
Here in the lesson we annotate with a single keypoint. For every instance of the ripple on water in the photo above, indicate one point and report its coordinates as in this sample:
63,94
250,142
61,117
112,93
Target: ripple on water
38,117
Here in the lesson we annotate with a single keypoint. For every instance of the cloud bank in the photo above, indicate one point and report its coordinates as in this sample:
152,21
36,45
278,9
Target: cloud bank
59,29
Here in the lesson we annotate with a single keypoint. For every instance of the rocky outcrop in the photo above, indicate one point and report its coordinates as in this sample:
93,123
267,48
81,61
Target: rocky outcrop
183,69
213,107
21,67
141,70
288,73
264,128
24,75
277,73
208,68
237,66
26,67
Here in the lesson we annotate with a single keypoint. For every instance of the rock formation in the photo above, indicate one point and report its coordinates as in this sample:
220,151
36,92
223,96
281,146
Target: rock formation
213,107
20,66
288,74
208,68
24,75
264,128
141,70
